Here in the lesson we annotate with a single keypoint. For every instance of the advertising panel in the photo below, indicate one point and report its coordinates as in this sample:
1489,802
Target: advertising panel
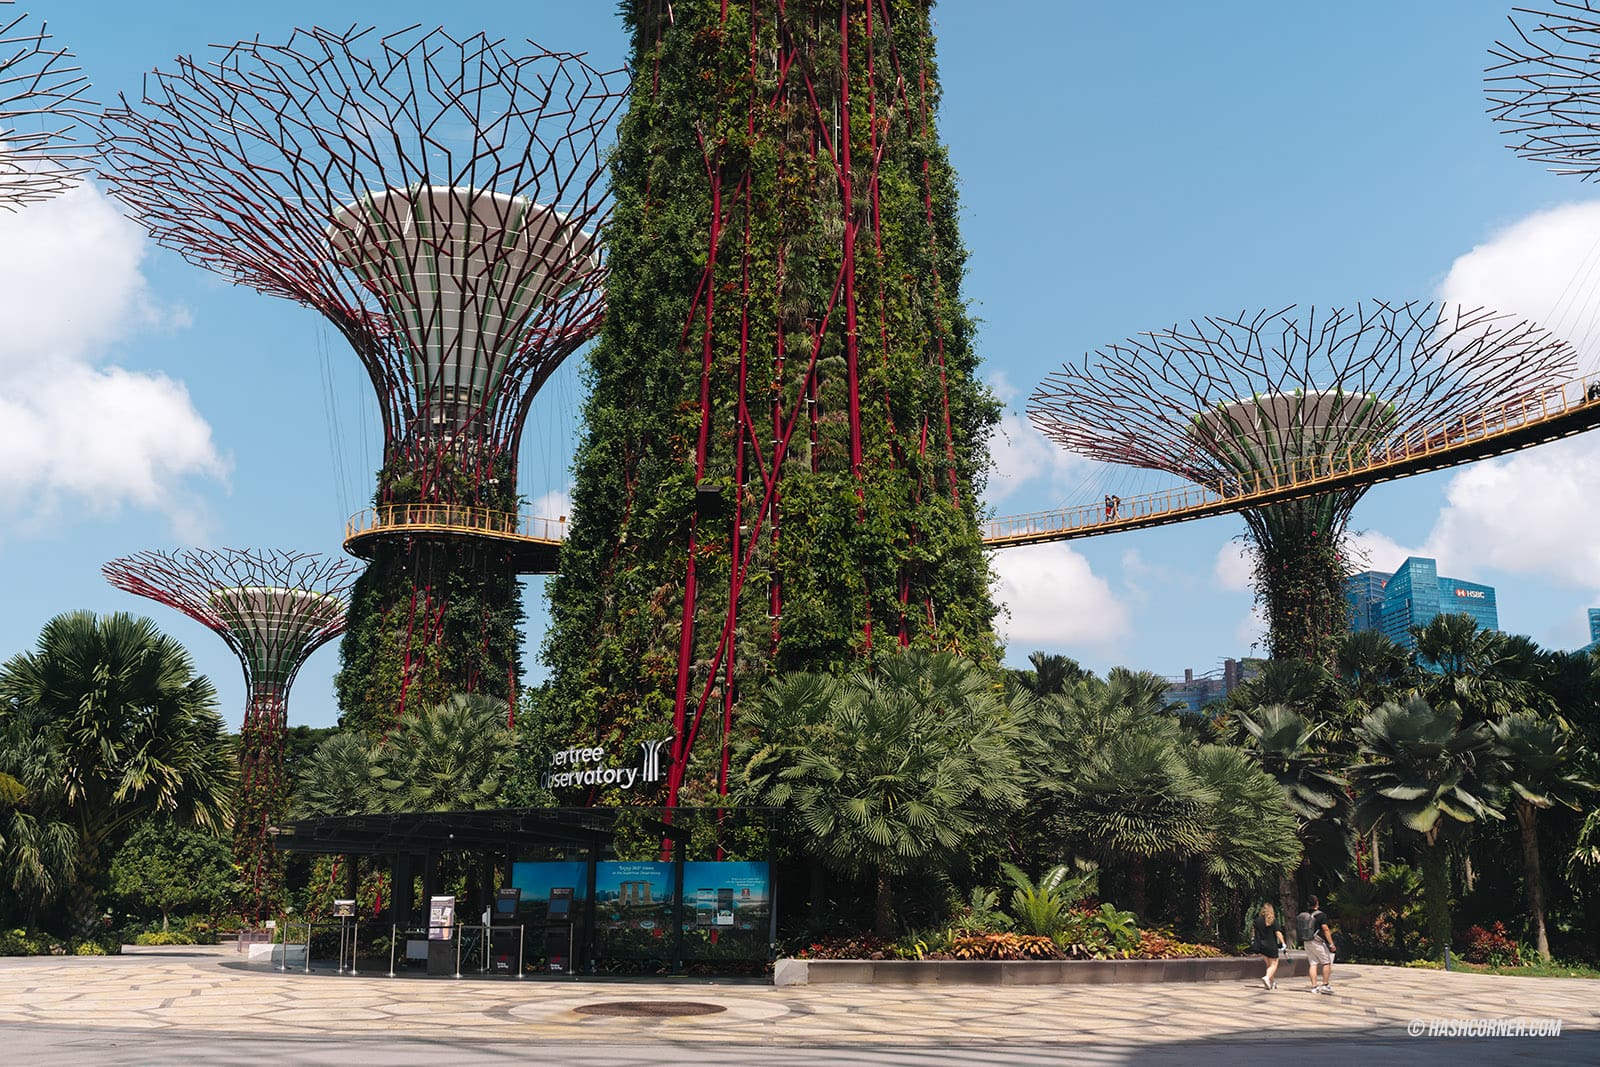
540,883
731,915
633,908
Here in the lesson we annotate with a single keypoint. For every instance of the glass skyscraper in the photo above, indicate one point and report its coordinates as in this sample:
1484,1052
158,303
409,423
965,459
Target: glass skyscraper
1412,596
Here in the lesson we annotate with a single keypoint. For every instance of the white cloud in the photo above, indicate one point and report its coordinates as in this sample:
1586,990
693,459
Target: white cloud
1233,569
1374,551
1055,601
1022,455
70,427
1545,267
1530,513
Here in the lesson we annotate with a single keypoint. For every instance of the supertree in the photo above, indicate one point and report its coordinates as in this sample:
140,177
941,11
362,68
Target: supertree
41,102
440,202
273,609
786,437
1232,402
1545,86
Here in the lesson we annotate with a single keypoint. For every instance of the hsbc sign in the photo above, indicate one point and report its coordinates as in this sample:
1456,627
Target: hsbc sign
1470,594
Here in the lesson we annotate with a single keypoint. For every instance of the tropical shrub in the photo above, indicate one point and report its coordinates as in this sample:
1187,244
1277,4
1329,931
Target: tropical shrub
1039,908
1492,946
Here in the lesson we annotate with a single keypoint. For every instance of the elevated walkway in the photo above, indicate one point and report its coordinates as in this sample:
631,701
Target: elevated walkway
1562,411
533,543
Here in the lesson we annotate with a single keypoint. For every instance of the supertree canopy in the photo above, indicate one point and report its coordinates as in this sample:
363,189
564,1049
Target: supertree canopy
41,100
785,436
441,203
273,609
1232,403
1545,86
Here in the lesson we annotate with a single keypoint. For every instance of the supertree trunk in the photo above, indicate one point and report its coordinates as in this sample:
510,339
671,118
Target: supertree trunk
263,800
1300,569
786,436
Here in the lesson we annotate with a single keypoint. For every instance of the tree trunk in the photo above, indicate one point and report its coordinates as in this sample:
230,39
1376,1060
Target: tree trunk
1203,906
1136,886
1377,864
819,894
883,911
83,909
1436,896
1527,815
163,922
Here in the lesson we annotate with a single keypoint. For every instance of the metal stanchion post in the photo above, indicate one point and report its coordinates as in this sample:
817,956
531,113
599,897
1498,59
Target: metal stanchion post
394,935
283,955
308,948
460,930
522,931
355,943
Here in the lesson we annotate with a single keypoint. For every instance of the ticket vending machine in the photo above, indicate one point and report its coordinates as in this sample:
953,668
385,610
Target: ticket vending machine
505,934
559,931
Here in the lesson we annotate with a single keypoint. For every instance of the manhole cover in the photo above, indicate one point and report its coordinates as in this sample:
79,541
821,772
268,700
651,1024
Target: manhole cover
649,1009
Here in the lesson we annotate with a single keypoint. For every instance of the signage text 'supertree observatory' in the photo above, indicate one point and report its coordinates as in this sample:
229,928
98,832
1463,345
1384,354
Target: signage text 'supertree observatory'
273,609
1545,87
1225,400
440,202
785,434
41,98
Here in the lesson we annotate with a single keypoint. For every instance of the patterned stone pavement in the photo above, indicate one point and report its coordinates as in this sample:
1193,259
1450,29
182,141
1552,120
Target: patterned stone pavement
200,994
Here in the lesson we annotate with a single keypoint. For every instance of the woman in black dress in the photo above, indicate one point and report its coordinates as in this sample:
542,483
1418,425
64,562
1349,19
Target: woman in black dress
1267,941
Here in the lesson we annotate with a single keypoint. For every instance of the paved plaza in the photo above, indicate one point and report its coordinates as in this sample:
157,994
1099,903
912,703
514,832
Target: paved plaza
201,1006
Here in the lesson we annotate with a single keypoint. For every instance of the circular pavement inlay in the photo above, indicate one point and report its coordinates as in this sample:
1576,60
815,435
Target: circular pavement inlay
649,1009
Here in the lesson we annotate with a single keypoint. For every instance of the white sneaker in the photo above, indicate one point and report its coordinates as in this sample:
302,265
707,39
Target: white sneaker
1265,984
1328,989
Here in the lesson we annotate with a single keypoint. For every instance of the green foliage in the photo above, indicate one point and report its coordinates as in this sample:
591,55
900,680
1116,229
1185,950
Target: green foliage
883,771
427,621
169,868
455,756
897,547
1040,907
1121,928
1425,774
1251,821
982,912
108,720
1300,569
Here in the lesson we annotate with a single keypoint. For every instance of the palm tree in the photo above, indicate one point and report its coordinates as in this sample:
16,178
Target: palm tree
1480,674
127,730
1115,773
1541,763
1372,668
37,846
1425,772
455,756
883,771
1283,746
1252,825
336,779
1052,673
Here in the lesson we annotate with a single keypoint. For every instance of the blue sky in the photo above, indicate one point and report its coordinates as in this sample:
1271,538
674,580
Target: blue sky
1122,167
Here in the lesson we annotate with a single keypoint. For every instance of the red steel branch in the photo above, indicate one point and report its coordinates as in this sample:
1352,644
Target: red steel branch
42,151
1136,402
273,609
1542,86
376,180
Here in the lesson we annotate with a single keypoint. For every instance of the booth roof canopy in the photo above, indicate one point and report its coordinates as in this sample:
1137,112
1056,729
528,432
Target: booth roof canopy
494,828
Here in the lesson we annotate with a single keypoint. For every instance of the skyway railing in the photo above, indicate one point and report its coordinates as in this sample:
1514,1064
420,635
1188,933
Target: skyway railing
1562,411
452,518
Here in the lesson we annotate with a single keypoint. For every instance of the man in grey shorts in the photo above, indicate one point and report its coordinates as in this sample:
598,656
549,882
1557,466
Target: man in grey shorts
1319,950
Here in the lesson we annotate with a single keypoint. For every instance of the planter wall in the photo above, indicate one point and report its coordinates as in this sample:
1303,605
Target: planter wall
1027,972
